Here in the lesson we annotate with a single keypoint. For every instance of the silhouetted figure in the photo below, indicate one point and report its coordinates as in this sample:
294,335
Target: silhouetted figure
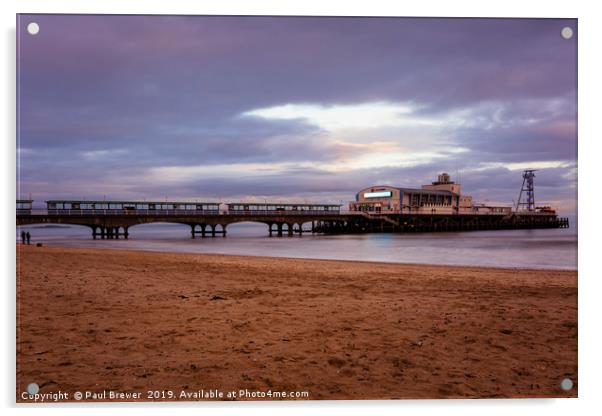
28,237
22,237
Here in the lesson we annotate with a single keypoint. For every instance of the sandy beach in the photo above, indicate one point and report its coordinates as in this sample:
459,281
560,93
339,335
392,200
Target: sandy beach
108,320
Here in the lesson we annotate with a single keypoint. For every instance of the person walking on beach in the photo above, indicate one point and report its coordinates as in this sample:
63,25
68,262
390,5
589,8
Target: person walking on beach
22,237
28,237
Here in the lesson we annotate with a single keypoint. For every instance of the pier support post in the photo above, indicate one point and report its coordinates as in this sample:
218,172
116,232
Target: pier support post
94,233
279,229
126,232
290,229
300,229
192,231
223,230
213,230
270,228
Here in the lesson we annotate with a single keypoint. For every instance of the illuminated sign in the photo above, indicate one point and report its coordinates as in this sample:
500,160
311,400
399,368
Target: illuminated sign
382,194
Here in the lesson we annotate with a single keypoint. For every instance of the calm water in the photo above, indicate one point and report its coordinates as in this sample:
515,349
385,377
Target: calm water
549,249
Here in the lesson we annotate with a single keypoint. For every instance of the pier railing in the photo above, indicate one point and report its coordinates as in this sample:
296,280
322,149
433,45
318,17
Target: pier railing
250,213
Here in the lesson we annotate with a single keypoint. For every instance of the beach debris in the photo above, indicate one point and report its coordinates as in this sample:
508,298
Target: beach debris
183,296
506,331
38,244
417,343
217,297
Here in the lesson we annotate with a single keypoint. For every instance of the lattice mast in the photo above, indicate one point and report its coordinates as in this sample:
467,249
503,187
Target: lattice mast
526,198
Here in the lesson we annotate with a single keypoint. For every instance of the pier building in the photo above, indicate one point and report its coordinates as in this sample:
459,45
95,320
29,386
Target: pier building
440,197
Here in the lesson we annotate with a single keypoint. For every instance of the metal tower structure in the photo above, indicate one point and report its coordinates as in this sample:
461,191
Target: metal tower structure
527,203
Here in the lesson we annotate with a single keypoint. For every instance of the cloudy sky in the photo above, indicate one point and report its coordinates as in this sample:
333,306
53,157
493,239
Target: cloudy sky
293,109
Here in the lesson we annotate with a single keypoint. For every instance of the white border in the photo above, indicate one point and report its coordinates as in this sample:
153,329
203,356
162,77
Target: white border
589,151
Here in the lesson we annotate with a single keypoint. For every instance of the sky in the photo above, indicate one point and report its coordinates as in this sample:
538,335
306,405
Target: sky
299,109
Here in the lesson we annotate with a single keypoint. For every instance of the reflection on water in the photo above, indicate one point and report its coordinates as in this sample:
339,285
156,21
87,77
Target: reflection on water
552,248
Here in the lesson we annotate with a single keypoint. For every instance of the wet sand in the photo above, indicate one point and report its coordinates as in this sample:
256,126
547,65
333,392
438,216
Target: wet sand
108,320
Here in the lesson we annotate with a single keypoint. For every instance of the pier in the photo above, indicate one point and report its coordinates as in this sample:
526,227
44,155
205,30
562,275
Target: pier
113,220
436,207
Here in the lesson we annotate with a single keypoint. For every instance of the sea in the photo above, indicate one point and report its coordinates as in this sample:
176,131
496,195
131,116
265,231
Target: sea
532,249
